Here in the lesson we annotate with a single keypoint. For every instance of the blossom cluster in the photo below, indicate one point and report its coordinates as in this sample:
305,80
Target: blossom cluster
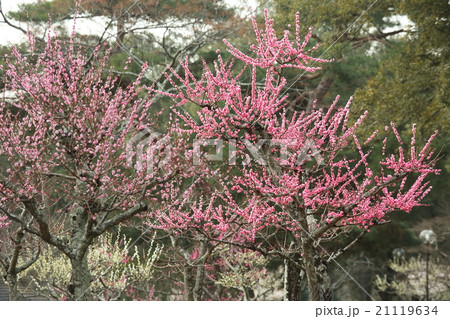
326,173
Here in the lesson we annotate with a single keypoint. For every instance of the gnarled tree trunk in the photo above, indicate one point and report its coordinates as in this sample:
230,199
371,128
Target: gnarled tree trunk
78,255
292,280
81,277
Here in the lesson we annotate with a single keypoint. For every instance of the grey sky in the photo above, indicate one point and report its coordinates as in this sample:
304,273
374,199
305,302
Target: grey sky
8,34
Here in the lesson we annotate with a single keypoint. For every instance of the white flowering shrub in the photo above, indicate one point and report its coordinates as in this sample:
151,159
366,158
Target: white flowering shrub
409,282
246,271
120,271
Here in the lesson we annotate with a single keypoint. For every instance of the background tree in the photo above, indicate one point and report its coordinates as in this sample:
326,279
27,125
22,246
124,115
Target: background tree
158,32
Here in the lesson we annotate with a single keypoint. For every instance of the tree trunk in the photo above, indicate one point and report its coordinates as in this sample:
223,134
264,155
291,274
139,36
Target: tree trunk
319,93
11,279
315,268
188,283
292,280
78,254
14,269
310,270
248,293
120,35
316,272
81,277
200,274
